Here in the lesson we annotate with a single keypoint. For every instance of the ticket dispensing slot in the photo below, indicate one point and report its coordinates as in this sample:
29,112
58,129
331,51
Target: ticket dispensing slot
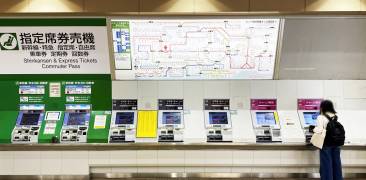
217,120
265,120
308,110
76,123
170,120
124,117
28,123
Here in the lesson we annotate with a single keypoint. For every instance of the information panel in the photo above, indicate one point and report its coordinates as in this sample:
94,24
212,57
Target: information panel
54,46
179,49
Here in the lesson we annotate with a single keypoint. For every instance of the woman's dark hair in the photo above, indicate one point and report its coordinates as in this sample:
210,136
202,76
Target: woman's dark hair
327,106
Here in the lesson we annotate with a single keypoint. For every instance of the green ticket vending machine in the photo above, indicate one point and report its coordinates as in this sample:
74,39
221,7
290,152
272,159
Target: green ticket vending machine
31,112
19,94
28,123
76,123
82,123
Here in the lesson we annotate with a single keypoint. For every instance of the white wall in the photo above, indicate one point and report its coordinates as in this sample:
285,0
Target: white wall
130,161
347,94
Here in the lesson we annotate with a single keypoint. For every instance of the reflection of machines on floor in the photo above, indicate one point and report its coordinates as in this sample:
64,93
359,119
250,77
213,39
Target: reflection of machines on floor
217,120
28,123
265,120
170,120
123,124
76,123
308,110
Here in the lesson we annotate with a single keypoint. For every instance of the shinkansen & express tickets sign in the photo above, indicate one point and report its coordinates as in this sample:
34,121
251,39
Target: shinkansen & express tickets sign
54,46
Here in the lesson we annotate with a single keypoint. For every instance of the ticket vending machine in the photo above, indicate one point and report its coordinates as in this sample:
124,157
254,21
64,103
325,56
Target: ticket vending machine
123,124
308,110
265,120
76,123
170,120
217,120
28,123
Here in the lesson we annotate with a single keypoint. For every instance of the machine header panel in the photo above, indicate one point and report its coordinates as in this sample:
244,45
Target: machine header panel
170,104
217,104
263,104
78,89
78,106
28,107
309,104
124,104
32,89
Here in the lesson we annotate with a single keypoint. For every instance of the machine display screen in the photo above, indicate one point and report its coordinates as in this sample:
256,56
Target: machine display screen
310,118
125,118
171,118
218,118
76,119
30,119
266,118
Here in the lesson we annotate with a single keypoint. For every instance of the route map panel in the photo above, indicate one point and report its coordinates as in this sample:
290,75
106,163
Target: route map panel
189,49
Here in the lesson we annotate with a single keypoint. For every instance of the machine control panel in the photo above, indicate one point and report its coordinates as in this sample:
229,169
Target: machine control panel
123,124
170,104
217,120
308,110
76,123
124,104
28,123
265,120
217,104
171,120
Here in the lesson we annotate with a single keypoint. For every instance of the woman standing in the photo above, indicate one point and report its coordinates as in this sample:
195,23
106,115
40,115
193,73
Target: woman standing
330,154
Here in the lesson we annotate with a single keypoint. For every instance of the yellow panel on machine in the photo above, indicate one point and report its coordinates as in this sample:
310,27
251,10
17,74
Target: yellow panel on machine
147,124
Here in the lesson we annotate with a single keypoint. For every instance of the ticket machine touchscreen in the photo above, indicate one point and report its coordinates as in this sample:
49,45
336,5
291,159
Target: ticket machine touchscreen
308,111
124,118
218,118
30,119
123,124
28,123
266,118
76,123
170,118
77,119
310,118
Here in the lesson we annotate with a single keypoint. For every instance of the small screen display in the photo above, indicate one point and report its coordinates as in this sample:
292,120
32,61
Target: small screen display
171,118
76,119
266,118
218,118
310,118
30,119
125,118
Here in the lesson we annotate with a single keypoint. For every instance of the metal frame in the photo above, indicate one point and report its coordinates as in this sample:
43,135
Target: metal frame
168,146
276,71
219,175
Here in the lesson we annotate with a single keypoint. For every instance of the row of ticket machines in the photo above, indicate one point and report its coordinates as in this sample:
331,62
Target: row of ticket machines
74,129
170,126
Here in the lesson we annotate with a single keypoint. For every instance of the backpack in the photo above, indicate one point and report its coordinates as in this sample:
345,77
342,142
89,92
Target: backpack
335,135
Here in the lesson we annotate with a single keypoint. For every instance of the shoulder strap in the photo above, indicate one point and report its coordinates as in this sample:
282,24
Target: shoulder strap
335,117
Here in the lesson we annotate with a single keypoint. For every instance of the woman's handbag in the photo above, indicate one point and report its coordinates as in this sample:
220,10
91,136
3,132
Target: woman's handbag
318,139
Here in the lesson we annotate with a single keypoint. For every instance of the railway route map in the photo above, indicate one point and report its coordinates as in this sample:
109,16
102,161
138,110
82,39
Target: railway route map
193,49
